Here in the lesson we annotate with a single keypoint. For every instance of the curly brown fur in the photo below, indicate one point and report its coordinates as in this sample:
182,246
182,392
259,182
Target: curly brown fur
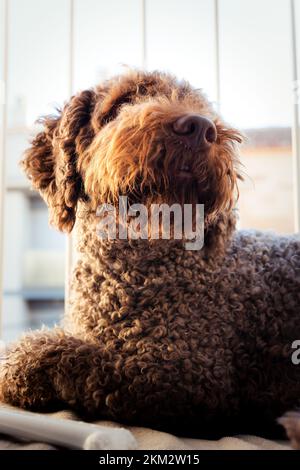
192,341
51,162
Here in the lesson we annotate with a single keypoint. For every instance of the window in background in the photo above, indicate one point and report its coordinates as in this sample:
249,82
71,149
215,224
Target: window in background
38,48
256,96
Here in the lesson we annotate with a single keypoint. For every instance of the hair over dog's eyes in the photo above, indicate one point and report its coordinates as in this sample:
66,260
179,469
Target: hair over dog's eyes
115,108
127,98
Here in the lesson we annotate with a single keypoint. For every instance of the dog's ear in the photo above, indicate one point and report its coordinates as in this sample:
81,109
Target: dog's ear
51,163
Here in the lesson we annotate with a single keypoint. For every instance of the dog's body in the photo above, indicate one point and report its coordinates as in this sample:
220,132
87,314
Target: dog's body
192,341
155,334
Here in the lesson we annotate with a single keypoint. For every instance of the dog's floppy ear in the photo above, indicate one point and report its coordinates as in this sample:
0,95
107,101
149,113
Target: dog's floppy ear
51,163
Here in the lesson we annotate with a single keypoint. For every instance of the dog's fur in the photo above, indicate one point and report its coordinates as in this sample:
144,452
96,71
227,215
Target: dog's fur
157,335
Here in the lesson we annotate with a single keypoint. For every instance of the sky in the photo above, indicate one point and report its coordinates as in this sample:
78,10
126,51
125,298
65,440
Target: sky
255,52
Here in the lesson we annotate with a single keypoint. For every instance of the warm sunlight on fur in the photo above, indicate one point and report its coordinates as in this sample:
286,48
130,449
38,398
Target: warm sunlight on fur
115,140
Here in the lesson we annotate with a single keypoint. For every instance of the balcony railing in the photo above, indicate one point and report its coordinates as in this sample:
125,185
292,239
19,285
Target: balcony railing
144,18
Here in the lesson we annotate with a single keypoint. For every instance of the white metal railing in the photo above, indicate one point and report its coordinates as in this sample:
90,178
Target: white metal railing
144,34
295,127
3,132
69,238
217,52
144,39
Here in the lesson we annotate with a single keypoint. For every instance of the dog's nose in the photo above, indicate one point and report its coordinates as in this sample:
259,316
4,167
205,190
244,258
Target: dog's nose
197,130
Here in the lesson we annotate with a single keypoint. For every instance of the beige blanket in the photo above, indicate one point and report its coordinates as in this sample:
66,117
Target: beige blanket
149,439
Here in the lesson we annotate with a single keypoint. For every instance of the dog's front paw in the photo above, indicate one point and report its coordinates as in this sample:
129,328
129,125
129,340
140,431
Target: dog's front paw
291,423
23,380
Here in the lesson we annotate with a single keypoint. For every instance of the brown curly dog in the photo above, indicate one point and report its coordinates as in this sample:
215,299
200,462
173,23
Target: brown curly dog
192,341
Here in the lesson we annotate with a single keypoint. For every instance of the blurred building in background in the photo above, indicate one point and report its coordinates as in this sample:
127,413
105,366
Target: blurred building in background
34,258
56,47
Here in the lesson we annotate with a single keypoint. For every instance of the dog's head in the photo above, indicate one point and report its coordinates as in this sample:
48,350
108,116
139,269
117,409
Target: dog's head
143,135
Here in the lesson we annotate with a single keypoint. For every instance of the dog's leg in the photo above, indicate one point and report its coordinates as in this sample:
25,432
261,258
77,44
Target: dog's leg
291,422
50,366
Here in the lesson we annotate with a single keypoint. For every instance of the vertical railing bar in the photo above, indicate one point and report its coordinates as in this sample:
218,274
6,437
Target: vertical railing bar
3,152
69,240
71,48
217,52
144,34
295,127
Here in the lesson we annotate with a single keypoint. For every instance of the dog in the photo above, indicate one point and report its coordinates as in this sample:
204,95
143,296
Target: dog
197,342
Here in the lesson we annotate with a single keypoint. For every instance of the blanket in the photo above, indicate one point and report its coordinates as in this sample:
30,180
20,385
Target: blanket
149,439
